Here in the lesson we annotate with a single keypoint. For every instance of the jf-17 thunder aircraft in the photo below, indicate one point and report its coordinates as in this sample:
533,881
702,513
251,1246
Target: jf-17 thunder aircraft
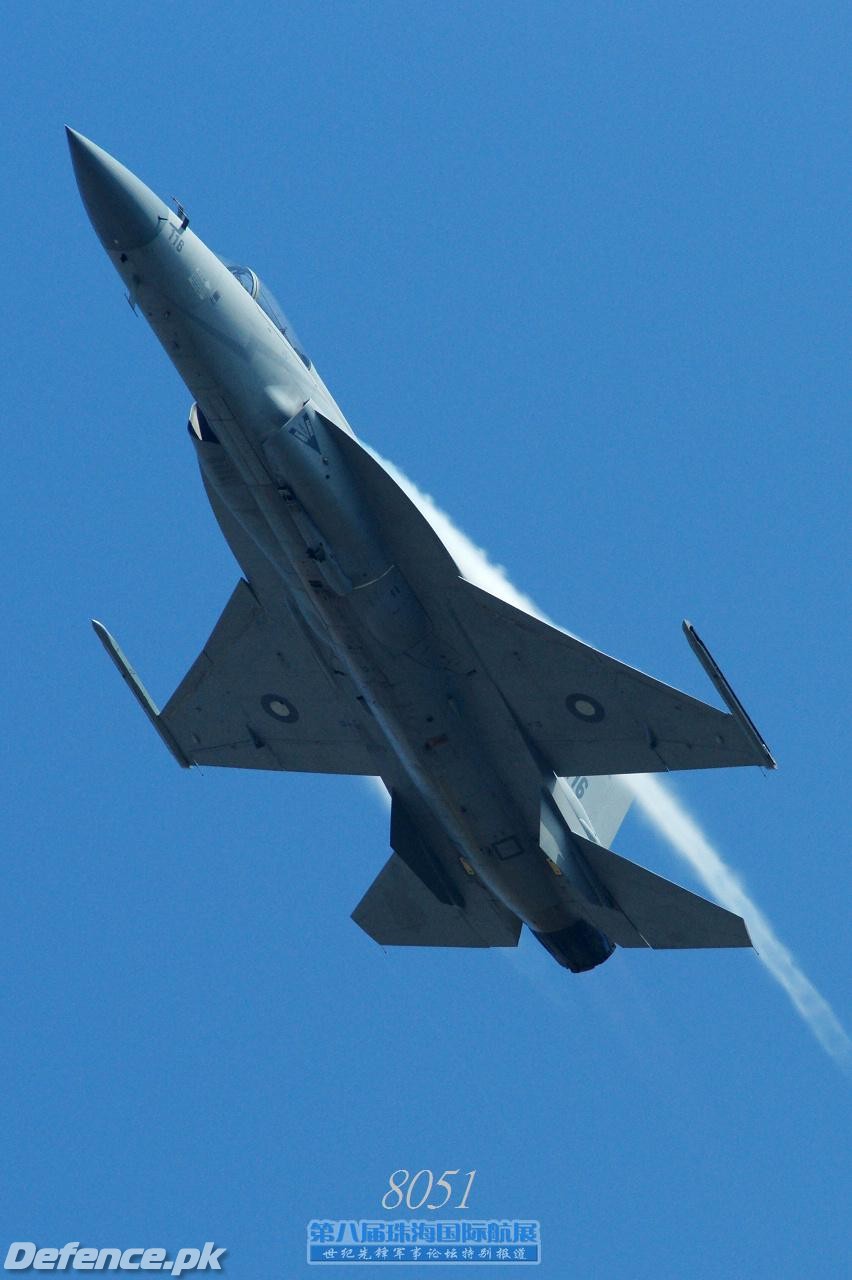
353,645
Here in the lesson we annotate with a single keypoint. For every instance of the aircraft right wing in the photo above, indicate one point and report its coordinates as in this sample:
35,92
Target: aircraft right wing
587,713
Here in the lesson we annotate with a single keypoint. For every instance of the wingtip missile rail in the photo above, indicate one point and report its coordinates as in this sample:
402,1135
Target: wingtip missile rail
140,693
726,693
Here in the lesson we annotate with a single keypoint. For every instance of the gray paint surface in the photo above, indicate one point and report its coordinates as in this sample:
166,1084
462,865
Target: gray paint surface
353,645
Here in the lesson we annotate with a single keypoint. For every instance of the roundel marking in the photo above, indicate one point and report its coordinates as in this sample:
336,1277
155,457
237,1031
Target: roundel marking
585,707
279,708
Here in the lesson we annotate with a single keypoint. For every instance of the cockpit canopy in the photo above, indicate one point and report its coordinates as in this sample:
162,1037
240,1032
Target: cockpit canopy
267,303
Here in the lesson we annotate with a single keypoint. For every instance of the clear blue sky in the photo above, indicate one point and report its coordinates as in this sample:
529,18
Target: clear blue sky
580,271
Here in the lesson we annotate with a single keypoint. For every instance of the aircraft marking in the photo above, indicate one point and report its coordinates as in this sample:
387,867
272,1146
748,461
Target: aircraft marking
585,707
303,431
279,708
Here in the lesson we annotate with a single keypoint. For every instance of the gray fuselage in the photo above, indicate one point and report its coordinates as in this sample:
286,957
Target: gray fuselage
449,731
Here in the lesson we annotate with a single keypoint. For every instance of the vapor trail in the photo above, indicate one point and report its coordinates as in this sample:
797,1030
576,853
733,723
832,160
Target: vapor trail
670,819
665,813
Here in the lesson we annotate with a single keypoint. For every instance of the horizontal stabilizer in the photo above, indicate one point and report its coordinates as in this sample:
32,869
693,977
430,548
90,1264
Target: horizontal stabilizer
398,910
425,895
410,841
659,913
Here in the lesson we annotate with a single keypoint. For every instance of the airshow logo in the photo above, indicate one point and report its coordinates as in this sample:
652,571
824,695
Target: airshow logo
463,1241
24,1255
459,1240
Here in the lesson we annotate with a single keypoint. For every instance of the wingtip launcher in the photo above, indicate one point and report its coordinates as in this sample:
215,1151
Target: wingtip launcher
726,693
139,692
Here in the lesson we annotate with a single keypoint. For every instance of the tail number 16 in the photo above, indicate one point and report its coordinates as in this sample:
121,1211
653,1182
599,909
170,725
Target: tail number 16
420,1188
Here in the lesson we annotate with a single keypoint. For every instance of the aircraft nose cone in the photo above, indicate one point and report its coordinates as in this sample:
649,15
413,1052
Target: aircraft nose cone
124,212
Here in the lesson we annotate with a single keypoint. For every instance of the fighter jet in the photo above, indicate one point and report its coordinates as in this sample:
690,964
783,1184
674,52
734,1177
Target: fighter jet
353,644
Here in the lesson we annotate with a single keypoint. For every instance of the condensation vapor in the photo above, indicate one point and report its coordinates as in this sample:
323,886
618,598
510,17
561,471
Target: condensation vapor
664,812
668,816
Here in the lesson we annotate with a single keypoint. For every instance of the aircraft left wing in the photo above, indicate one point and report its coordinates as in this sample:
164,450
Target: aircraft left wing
258,696
586,713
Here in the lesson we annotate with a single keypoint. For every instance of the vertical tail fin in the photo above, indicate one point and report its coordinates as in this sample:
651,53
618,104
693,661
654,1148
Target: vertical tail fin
606,799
